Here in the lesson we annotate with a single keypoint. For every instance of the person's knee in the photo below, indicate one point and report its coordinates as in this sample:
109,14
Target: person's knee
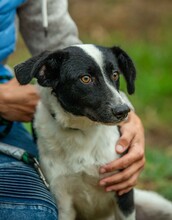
23,194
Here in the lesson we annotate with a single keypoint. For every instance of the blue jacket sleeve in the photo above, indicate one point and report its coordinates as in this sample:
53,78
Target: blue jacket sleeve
7,27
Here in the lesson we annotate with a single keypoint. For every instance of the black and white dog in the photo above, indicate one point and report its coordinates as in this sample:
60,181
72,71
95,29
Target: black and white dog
76,122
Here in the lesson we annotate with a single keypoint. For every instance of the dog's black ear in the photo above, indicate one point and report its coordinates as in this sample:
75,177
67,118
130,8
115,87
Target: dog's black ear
25,71
45,67
127,68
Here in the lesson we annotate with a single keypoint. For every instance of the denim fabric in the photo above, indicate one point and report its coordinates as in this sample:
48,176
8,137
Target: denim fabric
22,193
19,137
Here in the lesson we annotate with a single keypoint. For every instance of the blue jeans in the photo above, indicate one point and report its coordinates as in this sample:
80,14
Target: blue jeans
22,193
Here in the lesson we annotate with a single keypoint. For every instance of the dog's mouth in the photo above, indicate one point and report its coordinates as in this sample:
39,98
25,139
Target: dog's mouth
109,115
107,121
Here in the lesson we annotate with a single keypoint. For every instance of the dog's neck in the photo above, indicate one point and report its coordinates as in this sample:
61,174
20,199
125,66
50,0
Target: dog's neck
65,119
55,118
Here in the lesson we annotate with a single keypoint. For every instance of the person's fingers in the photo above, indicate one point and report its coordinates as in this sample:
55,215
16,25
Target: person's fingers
124,175
132,131
18,116
17,94
132,181
121,192
128,159
131,163
124,142
22,95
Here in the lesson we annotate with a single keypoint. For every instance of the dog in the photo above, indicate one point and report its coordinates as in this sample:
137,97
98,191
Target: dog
77,127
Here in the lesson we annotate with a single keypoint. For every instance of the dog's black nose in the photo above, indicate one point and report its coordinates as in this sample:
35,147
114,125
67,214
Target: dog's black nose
120,111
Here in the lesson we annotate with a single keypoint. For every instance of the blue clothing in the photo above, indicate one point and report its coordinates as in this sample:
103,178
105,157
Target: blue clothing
22,192
5,74
7,31
23,195
7,26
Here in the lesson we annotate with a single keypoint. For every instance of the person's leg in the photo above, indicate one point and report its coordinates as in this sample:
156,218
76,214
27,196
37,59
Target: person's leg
21,138
22,192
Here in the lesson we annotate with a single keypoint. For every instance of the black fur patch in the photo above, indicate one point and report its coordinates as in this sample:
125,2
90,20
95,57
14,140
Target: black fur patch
126,203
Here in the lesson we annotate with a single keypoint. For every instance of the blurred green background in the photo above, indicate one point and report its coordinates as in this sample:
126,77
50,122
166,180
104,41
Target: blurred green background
144,29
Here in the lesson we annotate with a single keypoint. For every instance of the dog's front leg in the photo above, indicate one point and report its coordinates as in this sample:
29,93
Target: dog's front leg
125,209
66,209
64,200
65,206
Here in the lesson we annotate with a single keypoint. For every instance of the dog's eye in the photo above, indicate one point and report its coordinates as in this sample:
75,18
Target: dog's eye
86,79
115,76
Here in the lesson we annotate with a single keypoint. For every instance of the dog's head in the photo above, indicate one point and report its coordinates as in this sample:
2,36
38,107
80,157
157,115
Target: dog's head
84,79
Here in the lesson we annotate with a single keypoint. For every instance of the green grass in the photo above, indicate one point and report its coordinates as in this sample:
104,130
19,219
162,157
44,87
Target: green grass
157,174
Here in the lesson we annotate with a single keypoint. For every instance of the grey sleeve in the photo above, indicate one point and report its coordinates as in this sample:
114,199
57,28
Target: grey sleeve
62,30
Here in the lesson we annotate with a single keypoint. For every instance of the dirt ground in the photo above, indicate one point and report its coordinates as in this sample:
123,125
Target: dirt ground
134,18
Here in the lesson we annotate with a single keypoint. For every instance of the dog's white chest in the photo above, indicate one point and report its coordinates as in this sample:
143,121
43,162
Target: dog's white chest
76,152
71,159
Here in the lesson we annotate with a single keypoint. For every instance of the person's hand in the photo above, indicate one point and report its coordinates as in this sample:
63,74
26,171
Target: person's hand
132,163
18,103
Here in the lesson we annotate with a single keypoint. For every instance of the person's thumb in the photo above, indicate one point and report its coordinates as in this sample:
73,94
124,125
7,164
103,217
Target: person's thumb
121,145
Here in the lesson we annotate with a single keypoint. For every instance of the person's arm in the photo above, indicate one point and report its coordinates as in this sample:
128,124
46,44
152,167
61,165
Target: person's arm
17,103
62,31
132,163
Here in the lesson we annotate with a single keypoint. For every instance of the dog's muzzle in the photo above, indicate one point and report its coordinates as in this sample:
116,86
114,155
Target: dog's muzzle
120,112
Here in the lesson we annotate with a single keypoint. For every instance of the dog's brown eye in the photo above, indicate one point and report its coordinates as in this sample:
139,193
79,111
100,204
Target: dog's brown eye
115,76
86,79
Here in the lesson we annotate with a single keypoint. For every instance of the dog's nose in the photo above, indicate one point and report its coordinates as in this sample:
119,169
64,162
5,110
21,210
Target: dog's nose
121,111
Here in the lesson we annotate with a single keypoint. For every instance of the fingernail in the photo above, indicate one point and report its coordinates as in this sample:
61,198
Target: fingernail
120,148
120,193
102,170
108,190
102,183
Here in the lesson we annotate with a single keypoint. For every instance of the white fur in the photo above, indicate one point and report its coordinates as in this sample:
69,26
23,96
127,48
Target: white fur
71,151
153,204
93,52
